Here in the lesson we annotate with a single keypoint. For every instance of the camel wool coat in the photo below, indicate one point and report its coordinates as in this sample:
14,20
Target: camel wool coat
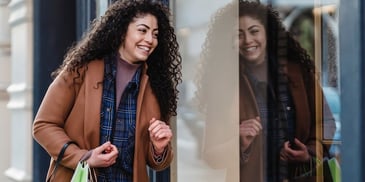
304,87
71,112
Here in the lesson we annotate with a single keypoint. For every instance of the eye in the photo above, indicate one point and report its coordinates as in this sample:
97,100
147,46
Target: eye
254,31
143,30
155,35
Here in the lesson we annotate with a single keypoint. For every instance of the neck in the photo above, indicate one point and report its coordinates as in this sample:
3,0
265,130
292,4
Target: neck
260,71
128,63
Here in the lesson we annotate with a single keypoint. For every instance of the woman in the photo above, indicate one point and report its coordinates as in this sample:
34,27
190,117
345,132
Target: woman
277,78
277,96
114,95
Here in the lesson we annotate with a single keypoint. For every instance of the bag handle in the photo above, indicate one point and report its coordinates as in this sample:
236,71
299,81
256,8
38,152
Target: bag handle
59,158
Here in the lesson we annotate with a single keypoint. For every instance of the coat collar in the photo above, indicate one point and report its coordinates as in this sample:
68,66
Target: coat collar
93,85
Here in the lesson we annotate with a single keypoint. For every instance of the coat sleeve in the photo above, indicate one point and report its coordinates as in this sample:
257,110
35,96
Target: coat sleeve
325,121
147,108
48,126
165,161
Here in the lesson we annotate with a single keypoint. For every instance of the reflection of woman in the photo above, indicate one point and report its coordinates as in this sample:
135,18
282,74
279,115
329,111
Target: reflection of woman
217,94
114,95
277,84
277,99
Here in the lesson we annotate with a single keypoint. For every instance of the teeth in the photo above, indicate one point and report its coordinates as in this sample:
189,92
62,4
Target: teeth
144,48
251,49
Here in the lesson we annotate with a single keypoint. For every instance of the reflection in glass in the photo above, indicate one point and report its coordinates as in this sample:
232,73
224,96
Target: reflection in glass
282,89
220,92
207,120
309,22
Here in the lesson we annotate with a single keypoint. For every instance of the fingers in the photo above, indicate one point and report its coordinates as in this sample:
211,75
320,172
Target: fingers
253,123
159,129
283,155
299,154
163,131
106,147
103,156
300,145
160,134
249,132
251,127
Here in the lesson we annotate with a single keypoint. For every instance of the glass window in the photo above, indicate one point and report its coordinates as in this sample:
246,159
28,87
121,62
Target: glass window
208,142
205,135
314,25
101,5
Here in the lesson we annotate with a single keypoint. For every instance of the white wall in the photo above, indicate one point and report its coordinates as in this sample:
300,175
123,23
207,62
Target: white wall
20,90
4,83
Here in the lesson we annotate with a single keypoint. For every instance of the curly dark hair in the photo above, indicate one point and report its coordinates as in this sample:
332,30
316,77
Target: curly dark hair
217,48
280,42
281,45
108,32
217,57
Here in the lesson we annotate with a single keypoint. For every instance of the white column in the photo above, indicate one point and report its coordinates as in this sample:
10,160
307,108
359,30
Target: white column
4,83
20,90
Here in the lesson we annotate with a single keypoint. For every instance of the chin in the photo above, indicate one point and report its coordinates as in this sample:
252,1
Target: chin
142,58
139,62
250,60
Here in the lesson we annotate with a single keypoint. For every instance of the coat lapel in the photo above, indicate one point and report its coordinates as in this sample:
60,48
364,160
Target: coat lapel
142,88
248,106
93,94
299,95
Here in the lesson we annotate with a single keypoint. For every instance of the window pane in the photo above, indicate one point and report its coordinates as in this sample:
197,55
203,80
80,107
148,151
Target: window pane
208,142
102,5
314,24
207,133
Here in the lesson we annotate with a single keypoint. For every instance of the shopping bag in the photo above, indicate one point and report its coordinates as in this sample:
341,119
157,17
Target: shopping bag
328,169
334,169
81,172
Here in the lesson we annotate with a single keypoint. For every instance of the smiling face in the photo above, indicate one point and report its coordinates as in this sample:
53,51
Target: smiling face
252,40
140,40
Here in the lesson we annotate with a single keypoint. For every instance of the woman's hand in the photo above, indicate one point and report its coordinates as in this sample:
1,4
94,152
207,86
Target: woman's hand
160,135
103,156
249,129
299,154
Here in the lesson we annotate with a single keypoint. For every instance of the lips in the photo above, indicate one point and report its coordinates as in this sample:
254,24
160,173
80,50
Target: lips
250,49
145,48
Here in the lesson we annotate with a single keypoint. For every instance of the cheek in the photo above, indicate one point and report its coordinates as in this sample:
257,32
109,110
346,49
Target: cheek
263,40
155,43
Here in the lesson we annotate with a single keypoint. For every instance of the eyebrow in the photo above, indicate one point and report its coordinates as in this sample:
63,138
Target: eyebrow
142,24
253,26
249,28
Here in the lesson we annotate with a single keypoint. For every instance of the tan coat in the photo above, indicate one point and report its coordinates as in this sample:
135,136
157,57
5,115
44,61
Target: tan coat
304,95
72,112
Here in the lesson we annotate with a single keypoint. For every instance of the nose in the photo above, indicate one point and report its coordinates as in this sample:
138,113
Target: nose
149,38
247,39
